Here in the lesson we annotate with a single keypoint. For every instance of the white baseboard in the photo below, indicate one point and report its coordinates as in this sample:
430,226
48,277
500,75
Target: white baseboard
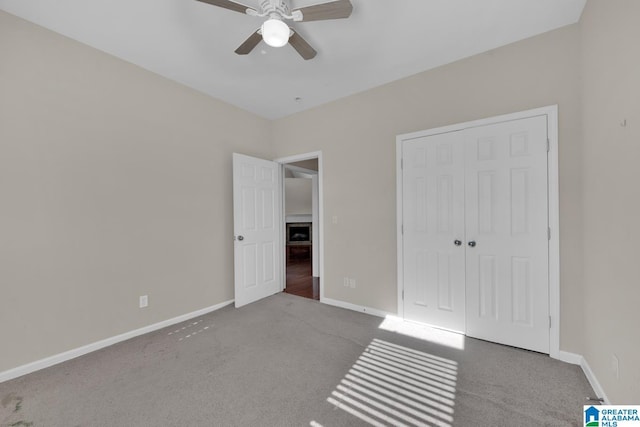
577,359
565,356
76,352
354,307
595,384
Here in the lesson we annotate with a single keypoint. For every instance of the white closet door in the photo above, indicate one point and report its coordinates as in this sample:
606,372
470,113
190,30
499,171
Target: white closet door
433,211
507,273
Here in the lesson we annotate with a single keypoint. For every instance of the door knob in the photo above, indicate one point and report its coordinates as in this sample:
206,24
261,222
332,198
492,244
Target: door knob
240,238
472,244
457,242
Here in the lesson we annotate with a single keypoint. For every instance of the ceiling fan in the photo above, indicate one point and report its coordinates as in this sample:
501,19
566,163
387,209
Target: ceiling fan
275,32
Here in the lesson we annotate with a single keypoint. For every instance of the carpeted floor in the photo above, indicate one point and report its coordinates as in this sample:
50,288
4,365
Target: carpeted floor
290,361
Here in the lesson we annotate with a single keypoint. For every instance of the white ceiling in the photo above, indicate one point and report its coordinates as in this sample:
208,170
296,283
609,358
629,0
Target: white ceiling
383,40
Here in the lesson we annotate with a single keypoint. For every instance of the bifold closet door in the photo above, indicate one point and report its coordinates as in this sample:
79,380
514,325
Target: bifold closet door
433,235
506,215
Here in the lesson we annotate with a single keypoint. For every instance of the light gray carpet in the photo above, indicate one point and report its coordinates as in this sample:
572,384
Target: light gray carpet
289,361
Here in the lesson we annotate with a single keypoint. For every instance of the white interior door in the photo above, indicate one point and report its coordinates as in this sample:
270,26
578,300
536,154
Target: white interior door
256,219
484,188
507,218
433,235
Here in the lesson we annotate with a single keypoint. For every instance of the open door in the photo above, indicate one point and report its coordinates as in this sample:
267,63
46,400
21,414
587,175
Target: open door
257,213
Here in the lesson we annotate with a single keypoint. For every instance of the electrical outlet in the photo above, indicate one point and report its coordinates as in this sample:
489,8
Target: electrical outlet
352,283
144,301
615,366
346,281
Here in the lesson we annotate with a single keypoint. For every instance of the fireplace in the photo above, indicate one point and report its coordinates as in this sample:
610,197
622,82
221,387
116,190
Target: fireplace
298,233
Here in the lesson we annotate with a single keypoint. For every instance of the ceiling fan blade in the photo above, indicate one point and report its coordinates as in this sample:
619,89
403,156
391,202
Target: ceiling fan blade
332,10
249,44
228,4
302,47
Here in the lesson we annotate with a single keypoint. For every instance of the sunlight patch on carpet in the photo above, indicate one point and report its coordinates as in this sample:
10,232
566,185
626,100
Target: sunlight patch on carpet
423,332
190,330
395,385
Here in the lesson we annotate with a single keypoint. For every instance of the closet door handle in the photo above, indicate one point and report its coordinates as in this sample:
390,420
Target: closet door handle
472,244
457,242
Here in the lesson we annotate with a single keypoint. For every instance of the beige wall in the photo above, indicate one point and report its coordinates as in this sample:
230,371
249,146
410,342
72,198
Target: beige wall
114,183
611,192
311,164
357,138
298,195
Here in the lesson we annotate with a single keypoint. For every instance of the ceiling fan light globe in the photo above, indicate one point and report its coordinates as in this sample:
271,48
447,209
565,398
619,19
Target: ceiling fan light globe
275,33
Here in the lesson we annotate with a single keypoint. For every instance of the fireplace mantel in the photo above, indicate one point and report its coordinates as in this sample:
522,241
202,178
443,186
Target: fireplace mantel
299,218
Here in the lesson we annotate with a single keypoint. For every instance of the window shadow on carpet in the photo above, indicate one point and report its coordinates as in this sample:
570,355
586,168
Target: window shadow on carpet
391,384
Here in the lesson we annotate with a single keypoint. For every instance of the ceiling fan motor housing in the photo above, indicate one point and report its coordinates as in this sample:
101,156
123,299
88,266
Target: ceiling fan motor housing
275,9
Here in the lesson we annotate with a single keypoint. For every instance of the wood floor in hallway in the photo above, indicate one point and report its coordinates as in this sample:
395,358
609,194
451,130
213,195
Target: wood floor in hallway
300,281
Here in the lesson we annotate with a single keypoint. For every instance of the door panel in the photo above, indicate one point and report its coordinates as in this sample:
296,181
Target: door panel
433,177
256,210
487,187
506,215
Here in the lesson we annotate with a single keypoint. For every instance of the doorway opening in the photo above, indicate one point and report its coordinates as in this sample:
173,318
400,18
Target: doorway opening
302,225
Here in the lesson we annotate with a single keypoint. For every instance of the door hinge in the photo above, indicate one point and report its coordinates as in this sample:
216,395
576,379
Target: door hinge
403,295
548,145
402,229
401,163
549,233
549,322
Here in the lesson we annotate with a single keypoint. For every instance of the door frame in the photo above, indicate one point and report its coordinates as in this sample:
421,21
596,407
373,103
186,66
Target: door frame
551,112
298,158
313,176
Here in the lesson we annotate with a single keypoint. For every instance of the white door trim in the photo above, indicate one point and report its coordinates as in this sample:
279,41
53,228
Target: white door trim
320,225
313,176
554,206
